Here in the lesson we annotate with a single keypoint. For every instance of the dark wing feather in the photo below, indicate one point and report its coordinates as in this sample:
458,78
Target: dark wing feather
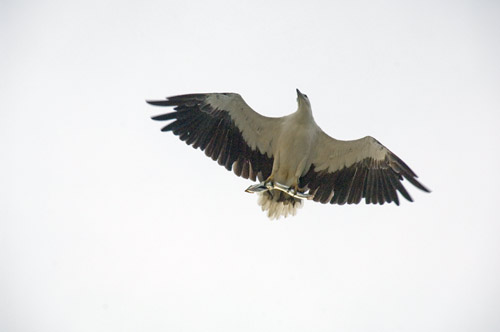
207,122
348,171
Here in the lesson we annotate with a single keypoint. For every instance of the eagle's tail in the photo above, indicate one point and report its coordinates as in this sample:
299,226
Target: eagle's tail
278,203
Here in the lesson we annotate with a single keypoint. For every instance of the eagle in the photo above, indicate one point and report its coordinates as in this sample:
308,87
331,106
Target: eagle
291,157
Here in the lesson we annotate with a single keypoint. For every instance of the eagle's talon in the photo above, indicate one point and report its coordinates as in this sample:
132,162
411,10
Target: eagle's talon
269,183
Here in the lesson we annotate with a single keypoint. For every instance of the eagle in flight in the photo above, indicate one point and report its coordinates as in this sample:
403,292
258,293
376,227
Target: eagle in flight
291,157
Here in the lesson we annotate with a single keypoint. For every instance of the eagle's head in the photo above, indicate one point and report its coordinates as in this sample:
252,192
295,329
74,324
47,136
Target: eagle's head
302,100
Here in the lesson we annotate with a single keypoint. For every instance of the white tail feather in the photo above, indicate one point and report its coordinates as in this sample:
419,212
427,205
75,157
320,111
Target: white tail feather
278,203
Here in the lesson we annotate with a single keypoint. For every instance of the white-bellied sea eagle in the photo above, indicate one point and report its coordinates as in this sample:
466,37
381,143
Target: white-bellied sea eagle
291,156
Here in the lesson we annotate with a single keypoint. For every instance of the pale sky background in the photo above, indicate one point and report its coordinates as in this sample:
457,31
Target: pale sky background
107,224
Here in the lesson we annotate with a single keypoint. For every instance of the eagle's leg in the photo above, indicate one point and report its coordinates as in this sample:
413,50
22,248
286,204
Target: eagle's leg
294,189
269,180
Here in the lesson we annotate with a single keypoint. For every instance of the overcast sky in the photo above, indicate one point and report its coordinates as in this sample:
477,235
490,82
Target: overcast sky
107,224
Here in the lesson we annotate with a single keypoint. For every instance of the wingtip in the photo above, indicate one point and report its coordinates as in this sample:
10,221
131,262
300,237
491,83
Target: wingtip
164,117
418,184
424,188
155,102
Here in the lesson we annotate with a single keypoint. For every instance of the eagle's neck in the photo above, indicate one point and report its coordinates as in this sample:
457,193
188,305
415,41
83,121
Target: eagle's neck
304,114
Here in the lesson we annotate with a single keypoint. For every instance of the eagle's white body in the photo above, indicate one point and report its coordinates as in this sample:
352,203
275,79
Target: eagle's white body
297,135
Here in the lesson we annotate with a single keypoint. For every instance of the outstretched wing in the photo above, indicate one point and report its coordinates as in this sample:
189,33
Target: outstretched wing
347,171
226,128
